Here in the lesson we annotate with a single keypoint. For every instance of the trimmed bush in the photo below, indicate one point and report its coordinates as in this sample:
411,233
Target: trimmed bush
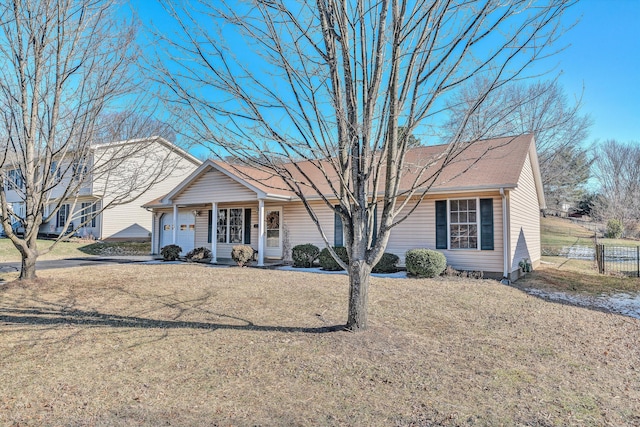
242,254
170,252
201,254
387,264
452,272
614,229
425,262
304,255
327,262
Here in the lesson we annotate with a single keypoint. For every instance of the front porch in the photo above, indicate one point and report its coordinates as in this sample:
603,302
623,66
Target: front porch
220,226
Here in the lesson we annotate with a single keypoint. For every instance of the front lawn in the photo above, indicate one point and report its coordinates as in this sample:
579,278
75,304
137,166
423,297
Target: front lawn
194,345
76,248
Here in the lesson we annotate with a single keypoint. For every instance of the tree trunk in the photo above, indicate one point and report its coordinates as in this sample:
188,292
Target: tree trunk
359,274
28,269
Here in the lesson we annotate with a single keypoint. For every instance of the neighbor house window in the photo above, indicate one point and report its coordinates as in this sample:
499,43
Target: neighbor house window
89,214
464,224
53,169
63,215
15,179
79,170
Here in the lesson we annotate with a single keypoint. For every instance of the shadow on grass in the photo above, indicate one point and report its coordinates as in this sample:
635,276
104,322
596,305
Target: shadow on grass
38,316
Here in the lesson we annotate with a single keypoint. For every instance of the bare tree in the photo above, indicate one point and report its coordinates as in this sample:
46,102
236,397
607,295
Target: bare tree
125,125
618,175
63,64
332,82
539,108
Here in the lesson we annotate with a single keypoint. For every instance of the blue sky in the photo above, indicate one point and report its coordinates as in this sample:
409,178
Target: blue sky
603,55
601,63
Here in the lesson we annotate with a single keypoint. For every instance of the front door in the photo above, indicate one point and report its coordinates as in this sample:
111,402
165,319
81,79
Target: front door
273,228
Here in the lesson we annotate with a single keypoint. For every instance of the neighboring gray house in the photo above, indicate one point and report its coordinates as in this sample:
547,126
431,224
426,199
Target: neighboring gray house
136,159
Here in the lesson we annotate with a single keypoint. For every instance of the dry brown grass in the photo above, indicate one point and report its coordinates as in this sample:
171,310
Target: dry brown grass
191,345
577,277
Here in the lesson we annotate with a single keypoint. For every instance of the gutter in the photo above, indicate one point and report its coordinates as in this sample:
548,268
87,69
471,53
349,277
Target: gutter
505,238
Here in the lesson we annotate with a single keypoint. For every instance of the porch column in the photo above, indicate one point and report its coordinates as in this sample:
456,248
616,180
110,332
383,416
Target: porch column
214,232
261,231
154,232
175,223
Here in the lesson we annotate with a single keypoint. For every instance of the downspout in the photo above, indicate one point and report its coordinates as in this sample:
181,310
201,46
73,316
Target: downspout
505,239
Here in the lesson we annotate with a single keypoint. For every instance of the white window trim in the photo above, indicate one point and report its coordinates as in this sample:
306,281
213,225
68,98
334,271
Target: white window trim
92,208
478,228
66,208
228,227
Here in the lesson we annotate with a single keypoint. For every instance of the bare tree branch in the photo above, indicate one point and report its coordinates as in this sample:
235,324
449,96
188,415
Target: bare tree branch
291,87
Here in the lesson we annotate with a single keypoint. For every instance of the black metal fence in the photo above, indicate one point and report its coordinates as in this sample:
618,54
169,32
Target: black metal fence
618,259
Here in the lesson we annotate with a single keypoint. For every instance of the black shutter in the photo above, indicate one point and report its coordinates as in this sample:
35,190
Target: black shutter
247,226
209,225
337,230
486,224
441,224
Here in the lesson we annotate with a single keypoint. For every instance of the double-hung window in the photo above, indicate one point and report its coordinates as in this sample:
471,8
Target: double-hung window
53,169
234,226
88,214
16,181
63,215
464,224
79,170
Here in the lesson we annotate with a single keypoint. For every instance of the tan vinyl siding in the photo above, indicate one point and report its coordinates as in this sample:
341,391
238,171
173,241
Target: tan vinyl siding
525,219
418,231
202,229
300,229
214,186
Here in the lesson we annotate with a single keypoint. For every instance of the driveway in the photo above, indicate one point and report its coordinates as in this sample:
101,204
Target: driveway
76,262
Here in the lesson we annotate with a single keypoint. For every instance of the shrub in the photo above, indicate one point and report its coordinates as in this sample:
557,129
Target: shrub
170,252
242,254
304,255
387,264
452,272
614,229
327,262
425,262
201,254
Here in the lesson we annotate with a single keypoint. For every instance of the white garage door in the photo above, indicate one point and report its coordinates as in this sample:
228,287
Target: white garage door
185,235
